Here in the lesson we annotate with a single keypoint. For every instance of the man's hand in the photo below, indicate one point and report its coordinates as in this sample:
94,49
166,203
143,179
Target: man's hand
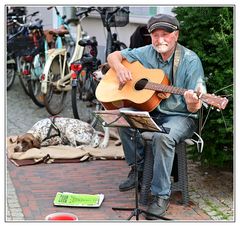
123,74
192,100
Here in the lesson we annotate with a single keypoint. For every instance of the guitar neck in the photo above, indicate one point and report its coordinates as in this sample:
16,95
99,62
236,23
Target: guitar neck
165,88
213,100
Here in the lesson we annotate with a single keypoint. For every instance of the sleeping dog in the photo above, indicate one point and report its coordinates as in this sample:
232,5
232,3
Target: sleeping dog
113,132
56,131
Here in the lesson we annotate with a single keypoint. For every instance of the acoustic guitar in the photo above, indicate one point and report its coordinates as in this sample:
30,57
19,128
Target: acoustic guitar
141,92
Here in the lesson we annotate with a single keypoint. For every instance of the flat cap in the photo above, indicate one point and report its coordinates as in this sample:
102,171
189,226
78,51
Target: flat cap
163,21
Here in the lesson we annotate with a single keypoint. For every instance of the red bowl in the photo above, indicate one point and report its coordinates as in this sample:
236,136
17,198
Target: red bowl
61,216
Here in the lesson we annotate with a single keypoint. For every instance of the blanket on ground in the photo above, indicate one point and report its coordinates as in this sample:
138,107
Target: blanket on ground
62,154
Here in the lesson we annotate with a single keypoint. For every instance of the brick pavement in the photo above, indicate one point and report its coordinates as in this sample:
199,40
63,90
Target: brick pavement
37,185
38,181
13,208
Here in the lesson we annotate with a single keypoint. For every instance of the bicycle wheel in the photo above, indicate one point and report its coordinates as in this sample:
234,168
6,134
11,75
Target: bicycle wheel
34,84
54,98
34,88
11,73
84,101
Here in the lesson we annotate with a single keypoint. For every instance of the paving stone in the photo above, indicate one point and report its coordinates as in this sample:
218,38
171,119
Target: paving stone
22,113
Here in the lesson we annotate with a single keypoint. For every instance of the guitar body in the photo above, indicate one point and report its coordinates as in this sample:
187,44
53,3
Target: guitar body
130,95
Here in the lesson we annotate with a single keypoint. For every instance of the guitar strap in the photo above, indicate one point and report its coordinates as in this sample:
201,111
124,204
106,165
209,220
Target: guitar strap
176,60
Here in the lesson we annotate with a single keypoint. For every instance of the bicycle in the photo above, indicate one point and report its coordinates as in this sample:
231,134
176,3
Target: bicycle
113,17
12,29
11,59
19,46
31,48
83,82
57,40
67,40
56,77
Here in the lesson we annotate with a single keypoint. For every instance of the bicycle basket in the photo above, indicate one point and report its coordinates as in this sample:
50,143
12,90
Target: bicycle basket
119,19
23,46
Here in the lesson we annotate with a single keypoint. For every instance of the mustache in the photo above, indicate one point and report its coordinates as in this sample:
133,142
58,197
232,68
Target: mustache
162,43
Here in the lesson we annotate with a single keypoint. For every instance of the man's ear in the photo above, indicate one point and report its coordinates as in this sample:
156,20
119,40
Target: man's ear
177,35
36,143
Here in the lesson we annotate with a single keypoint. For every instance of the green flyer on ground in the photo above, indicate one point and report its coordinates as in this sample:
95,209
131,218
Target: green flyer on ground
78,200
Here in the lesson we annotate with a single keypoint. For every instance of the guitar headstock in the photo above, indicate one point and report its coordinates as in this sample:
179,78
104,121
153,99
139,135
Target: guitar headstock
214,100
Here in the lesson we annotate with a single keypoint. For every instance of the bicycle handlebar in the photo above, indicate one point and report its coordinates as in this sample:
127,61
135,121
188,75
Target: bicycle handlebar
33,14
101,11
27,24
56,9
14,18
19,24
58,13
85,12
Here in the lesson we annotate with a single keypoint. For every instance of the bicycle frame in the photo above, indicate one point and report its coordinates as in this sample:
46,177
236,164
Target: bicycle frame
64,83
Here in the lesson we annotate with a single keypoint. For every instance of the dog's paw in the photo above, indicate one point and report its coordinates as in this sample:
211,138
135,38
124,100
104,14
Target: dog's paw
118,143
81,147
103,145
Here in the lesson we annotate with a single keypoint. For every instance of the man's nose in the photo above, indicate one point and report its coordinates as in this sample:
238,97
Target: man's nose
161,39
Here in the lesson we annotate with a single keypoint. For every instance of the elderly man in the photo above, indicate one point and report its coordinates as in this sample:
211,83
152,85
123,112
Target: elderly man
183,69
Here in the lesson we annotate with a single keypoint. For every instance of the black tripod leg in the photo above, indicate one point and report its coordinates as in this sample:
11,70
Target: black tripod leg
121,208
133,213
137,212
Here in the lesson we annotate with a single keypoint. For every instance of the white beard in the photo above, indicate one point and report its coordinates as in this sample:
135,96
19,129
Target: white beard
162,49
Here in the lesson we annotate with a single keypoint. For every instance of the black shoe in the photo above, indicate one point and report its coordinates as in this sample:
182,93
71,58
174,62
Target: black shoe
158,207
130,182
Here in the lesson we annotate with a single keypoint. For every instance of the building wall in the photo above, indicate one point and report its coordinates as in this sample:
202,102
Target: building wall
138,15
93,24
44,14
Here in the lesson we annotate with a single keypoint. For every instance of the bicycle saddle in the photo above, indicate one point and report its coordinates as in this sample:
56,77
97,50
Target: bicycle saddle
91,42
61,31
36,25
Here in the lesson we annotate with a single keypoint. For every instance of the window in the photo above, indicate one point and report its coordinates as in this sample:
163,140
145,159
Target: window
141,14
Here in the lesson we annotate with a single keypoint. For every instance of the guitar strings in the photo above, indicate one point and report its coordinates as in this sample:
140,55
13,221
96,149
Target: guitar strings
223,89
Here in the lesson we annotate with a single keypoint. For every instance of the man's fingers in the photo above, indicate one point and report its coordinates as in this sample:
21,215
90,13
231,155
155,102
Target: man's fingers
124,76
191,96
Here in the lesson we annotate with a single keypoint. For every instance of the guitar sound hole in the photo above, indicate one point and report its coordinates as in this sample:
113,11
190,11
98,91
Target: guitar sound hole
141,84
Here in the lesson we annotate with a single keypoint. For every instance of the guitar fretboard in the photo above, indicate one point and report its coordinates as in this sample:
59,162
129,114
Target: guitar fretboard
165,88
214,100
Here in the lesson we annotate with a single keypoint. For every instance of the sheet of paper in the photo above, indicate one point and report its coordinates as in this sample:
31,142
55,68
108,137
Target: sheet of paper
111,118
78,200
140,119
